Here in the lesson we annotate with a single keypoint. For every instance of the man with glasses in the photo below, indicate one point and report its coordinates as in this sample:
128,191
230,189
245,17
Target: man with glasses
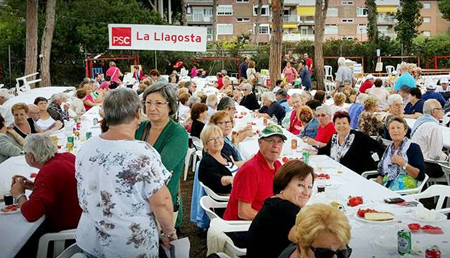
253,182
249,100
428,134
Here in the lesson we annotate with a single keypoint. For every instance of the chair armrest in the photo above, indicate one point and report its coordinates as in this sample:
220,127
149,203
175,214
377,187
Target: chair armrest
369,173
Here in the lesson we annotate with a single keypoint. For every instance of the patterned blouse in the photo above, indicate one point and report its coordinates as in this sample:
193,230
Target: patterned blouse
369,124
115,181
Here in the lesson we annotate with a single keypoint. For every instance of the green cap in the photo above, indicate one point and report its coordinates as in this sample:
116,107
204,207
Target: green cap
272,130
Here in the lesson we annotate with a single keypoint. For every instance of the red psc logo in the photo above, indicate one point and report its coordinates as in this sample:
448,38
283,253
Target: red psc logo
121,36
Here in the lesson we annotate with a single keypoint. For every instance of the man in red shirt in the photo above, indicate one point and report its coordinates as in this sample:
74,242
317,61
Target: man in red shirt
253,182
367,84
55,187
309,62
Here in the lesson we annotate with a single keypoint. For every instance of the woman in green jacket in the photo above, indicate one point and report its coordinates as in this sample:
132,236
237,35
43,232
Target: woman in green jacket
165,135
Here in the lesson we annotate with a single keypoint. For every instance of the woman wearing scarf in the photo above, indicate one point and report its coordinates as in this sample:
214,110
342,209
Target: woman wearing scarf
353,149
402,164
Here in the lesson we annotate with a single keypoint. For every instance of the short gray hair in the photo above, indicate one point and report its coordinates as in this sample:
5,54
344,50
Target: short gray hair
5,94
168,93
324,108
247,86
394,97
194,99
296,95
41,146
211,100
120,106
341,61
225,102
361,98
310,97
56,97
269,96
429,105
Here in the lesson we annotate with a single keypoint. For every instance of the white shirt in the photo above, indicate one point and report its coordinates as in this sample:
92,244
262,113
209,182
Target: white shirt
429,138
440,89
382,94
115,180
45,124
183,112
77,106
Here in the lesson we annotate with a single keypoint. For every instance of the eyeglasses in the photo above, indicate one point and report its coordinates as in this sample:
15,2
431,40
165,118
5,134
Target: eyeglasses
328,253
217,139
157,103
273,141
321,115
441,109
224,123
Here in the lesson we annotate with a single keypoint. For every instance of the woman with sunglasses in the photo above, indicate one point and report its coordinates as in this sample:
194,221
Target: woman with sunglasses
164,134
320,231
215,170
249,100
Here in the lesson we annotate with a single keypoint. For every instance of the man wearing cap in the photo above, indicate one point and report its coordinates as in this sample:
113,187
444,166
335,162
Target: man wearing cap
431,94
305,74
253,182
281,99
367,84
405,78
428,134
444,86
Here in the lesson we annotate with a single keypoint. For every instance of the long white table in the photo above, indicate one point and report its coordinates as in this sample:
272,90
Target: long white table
445,132
15,230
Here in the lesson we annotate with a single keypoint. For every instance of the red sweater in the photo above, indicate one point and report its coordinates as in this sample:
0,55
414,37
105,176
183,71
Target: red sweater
55,194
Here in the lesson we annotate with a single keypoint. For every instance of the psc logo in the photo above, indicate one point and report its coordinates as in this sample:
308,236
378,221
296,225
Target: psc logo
121,36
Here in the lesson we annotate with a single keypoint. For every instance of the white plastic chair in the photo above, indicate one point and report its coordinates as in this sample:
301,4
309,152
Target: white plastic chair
389,69
197,143
328,72
73,251
415,190
213,195
329,86
224,226
59,240
443,179
440,191
208,205
26,84
190,153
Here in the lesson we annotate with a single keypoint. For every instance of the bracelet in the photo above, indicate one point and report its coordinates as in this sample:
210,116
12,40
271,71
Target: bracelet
163,234
18,198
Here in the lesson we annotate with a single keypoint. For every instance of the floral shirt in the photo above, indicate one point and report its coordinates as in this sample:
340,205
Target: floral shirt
369,124
115,180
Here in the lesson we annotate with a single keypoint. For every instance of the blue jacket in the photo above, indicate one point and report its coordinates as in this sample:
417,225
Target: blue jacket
311,129
434,95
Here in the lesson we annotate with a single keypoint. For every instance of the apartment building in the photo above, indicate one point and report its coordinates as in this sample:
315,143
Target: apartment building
433,23
200,13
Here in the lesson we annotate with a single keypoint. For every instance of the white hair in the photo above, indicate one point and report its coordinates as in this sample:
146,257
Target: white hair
5,94
212,100
269,96
247,86
341,61
394,97
361,98
429,105
324,108
296,95
56,97
41,146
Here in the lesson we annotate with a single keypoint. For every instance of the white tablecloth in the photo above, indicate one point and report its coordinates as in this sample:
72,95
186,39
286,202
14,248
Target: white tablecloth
445,132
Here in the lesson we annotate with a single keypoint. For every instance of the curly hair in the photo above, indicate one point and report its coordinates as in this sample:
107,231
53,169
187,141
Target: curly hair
370,102
305,114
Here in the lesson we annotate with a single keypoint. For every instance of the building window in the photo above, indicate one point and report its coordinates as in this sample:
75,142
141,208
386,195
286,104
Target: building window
224,29
347,38
242,19
264,10
224,10
332,12
426,6
361,12
347,20
361,29
347,3
331,29
426,33
241,1
426,19
263,28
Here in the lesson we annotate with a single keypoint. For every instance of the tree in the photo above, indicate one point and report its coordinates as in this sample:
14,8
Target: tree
31,37
319,28
444,7
372,16
275,42
409,20
258,20
46,45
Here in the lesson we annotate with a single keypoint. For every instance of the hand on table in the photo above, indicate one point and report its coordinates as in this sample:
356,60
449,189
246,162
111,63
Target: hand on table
310,141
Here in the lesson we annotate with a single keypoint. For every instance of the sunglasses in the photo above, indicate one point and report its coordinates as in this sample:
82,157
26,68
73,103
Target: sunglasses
328,253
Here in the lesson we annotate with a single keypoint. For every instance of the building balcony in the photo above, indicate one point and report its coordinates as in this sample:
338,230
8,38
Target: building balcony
386,20
199,18
297,37
291,2
199,2
291,18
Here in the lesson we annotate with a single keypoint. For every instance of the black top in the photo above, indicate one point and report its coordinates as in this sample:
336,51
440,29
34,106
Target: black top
196,128
269,231
250,102
228,151
359,157
211,171
275,109
32,129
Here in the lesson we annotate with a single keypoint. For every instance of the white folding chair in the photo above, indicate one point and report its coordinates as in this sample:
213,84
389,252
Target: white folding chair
440,191
328,72
73,251
389,69
59,240
213,195
415,190
26,84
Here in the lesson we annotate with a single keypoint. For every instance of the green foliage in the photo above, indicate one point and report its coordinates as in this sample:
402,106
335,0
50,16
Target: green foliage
409,20
444,7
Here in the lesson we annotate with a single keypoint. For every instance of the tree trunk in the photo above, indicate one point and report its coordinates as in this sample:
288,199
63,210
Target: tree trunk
183,13
319,27
31,38
46,44
275,42
258,21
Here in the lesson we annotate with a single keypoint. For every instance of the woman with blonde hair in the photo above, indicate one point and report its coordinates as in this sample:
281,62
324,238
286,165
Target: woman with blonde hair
368,122
320,231
339,100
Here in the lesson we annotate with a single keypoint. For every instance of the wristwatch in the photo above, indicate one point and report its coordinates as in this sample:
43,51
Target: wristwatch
404,167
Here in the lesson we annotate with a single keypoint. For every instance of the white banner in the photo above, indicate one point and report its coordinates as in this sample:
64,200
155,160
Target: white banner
156,37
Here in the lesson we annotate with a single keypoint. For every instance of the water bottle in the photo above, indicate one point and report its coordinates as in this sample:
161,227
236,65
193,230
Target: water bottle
274,120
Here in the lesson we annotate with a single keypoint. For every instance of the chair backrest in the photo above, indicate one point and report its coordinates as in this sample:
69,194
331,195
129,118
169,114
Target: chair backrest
441,191
389,69
328,70
208,205
416,190
213,195
197,143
